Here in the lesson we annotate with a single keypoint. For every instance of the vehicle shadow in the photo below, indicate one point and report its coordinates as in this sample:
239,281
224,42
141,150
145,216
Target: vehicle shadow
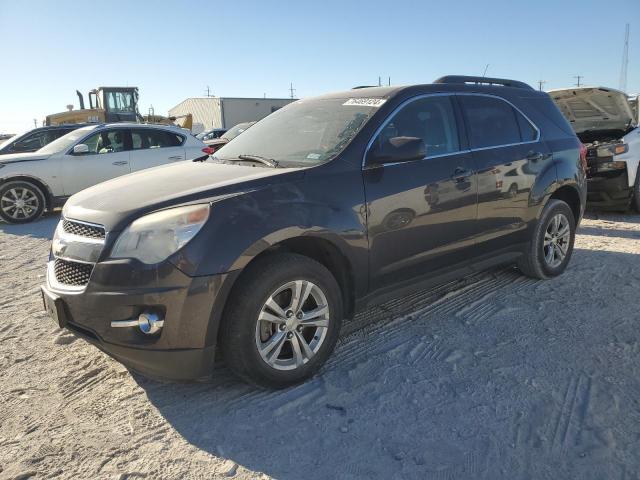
41,228
609,232
457,382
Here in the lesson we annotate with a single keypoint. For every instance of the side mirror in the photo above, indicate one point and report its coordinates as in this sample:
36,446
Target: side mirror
398,149
80,149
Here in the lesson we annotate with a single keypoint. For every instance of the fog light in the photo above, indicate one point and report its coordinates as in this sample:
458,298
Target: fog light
150,323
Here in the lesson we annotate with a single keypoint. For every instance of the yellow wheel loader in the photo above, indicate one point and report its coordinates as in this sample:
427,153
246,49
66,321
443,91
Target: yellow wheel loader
112,104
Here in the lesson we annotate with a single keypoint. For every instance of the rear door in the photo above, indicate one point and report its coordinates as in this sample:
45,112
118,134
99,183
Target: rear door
152,147
108,157
421,214
508,154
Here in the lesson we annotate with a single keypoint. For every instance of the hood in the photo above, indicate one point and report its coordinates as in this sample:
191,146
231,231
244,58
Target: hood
594,108
22,157
116,202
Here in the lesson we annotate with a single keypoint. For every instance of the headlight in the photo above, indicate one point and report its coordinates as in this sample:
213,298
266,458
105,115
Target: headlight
156,236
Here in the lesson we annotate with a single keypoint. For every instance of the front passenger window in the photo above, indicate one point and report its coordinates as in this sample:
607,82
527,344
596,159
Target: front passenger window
105,142
431,119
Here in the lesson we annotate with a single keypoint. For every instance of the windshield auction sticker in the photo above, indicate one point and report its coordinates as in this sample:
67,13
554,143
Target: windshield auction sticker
366,102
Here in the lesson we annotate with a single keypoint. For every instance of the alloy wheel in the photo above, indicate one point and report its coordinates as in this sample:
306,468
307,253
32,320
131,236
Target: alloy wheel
20,203
292,325
557,237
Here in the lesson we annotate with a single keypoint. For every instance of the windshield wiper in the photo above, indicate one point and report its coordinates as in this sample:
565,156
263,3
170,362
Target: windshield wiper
257,158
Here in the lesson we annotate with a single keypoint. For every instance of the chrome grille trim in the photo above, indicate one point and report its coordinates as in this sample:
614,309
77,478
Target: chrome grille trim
82,229
72,273
76,248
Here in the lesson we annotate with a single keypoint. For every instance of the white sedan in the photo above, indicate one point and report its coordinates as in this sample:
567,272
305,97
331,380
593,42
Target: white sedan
33,182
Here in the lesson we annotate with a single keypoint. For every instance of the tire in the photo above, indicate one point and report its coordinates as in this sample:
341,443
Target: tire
546,261
635,201
27,200
266,291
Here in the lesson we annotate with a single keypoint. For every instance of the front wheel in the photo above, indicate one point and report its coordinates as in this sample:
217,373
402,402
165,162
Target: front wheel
551,247
20,202
282,321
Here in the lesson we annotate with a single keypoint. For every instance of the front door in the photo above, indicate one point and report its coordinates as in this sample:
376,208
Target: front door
108,157
421,214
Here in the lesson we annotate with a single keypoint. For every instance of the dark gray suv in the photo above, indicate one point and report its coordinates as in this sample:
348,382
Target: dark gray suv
324,207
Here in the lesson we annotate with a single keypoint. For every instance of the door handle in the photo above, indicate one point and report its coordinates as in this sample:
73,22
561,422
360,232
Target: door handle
460,174
176,157
535,156
121,162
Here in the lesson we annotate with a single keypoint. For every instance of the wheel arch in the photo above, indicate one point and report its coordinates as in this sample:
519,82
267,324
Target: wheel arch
570,195
320,249
46,190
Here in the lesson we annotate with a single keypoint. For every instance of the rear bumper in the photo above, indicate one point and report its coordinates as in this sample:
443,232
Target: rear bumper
184,349
609,191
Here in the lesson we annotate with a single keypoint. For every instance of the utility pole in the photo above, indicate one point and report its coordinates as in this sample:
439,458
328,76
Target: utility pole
541,84
291,90
484,74
35,123
578,77
389,81
625,60
208,91
379,81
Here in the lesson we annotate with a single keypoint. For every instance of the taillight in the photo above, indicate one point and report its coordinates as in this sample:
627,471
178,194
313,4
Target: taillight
209,150
583,156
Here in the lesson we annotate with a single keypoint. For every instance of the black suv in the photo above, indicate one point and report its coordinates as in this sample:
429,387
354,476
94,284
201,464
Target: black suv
326,206
35,139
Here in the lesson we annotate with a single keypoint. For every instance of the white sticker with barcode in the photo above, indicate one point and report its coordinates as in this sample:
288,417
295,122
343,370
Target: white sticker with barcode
366,102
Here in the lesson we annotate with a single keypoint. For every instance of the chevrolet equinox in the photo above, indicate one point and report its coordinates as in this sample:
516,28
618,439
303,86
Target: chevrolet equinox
328,205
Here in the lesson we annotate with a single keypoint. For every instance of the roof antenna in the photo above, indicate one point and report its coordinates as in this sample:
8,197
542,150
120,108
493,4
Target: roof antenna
485,71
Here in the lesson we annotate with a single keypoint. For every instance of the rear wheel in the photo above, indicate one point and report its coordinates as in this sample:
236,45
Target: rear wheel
282,322
552,244
20,202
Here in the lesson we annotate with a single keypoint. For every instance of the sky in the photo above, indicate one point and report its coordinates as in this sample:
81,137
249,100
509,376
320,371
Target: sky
173,50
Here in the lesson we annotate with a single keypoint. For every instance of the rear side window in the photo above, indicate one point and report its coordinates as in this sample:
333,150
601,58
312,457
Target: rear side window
492,122
149,138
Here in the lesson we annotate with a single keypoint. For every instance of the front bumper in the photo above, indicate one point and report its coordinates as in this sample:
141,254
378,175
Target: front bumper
184,349
609,190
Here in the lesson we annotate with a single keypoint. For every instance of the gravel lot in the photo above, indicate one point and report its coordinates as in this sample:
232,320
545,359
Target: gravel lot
496,376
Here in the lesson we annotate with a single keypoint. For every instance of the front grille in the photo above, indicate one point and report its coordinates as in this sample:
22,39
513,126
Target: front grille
72,273
82,229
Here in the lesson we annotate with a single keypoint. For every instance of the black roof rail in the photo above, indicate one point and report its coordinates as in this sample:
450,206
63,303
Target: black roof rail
505,82
363,86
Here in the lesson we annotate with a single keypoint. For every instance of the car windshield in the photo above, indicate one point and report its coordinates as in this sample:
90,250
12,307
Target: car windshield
65,142
10,140
304,133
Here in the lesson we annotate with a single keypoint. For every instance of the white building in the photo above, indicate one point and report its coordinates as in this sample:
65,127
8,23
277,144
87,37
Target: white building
225,112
